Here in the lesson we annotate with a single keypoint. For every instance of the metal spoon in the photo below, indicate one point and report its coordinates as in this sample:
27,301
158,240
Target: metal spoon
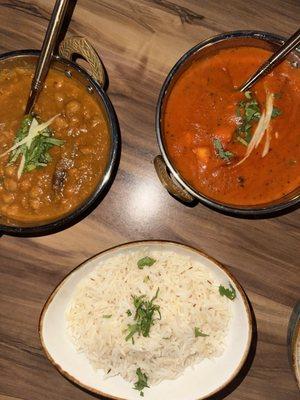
44,60
274,60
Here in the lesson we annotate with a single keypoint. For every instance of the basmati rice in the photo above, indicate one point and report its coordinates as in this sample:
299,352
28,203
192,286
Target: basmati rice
188,298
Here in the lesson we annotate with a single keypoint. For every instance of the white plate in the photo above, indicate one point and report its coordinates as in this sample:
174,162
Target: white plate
199,382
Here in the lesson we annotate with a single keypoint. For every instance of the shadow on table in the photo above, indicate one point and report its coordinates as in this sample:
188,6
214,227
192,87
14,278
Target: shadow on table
250,216
222,394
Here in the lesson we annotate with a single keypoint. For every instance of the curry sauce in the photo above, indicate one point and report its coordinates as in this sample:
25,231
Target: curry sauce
74,168
202,121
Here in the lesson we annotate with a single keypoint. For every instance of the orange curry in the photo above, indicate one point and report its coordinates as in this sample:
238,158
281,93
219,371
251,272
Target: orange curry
62,170
208,127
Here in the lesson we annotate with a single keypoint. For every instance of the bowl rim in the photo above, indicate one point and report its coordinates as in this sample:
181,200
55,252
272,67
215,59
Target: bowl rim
293,341
104,182
296,353
250,321
262,210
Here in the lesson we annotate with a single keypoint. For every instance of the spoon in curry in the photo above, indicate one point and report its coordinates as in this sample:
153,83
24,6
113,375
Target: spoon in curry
43,64
274,60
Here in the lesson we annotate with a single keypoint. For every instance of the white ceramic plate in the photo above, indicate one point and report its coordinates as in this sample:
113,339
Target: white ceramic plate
199,382
294,341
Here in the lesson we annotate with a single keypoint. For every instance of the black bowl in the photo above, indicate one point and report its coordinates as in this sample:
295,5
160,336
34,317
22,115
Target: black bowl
169,175
73,70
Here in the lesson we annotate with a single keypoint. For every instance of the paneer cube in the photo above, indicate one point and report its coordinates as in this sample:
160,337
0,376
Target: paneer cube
202,153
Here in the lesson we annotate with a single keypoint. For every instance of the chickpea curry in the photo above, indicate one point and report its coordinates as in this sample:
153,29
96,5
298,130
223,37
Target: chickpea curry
51,163
236,148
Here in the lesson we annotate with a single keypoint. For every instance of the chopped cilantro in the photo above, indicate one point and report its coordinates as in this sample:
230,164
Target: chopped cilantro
142,381
224,155
249,112
276,112
35,154
144,316
230,293
146,261
199,333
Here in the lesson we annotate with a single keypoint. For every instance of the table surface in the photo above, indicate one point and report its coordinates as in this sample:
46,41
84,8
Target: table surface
139,41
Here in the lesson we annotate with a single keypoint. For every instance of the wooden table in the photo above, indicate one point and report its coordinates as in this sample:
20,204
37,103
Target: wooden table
139,41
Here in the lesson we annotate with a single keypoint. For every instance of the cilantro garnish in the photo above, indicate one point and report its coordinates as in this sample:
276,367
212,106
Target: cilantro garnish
276,112
199,333
230,293
142,381
249,112
35,154
223,154
144,316
146,261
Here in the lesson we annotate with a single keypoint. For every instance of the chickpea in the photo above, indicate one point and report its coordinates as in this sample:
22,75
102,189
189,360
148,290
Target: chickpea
59,98
74,120
60,123
10,185
10,170
24,202
73,107
25,185
45,179
69,192
95,121
73,172
13,210
83,168
35,204
36,192
83,129
58,84
3,209
72,188
87,114
66,203
86,149
8,198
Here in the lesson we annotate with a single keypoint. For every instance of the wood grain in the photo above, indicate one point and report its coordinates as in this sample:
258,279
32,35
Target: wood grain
139,41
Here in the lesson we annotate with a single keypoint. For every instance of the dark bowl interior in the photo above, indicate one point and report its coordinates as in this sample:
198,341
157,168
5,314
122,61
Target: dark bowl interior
210,46
26,58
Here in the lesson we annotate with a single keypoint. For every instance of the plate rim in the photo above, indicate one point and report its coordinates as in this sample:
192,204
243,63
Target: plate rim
224,268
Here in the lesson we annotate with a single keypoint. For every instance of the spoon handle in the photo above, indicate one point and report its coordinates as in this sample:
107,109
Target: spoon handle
44,60
275,59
